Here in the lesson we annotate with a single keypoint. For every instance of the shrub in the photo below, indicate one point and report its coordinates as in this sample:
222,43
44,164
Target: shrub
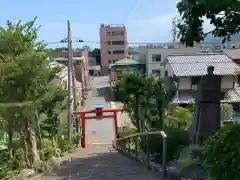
221,154
18,160
76,139
48,149
125,131
176,140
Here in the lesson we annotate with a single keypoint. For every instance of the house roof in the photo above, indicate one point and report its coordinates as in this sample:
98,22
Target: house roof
66,59
196,65
125,61
63,73
187,97
232,53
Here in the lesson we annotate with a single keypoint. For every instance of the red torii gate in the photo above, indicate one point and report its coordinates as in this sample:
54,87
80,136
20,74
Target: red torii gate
99,115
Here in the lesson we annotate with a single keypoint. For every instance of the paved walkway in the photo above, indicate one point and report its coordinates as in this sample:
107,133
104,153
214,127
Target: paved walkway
101,163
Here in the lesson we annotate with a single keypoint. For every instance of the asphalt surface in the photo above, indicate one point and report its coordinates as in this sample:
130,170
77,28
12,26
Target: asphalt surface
100,162
99,131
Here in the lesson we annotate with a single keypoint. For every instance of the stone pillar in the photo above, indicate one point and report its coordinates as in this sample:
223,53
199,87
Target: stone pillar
207,114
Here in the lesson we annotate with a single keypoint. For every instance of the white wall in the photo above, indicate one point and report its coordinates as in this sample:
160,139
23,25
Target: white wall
185,83
164,53
227,82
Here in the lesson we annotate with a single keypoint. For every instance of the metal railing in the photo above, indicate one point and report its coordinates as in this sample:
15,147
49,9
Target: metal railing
131,146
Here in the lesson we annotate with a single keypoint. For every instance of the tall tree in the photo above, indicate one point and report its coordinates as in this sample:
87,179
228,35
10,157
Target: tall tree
24,82
223,15
145,100
96,52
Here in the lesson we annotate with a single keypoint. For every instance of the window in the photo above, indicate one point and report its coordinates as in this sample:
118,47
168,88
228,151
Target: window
109,62
156,57
156,73
117,42
118,33
196,80
108,34
166,73
109,52
109,42
118,52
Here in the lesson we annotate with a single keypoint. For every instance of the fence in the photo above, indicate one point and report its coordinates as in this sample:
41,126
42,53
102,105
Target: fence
130,145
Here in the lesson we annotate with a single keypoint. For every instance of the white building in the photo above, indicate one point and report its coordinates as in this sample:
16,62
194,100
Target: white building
156,58
186,70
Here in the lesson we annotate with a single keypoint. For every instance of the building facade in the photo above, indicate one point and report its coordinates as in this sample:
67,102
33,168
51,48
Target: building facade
126,65
186,71
156,58
80,60
61,80
113,46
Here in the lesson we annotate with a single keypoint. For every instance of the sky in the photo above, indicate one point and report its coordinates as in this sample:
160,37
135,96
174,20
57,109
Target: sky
147,21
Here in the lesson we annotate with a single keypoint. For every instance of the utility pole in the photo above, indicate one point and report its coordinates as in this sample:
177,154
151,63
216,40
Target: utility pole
69,83
75,106
73,77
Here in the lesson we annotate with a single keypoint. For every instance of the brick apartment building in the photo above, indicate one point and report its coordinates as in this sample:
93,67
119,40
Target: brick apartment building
81,68
113,46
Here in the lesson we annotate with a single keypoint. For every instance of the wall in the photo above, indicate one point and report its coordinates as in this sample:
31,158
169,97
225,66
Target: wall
164,53
115,70
227,82
105,48
92,61
82,73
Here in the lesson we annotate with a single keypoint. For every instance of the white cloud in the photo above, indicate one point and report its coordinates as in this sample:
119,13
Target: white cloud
155,29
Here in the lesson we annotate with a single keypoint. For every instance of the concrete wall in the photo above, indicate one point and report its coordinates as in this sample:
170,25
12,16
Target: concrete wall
164,52
184,83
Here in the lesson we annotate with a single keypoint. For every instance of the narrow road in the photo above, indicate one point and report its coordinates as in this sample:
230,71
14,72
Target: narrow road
101,163
99,131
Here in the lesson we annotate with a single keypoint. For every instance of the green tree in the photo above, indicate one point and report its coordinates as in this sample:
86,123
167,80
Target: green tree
145,100
179,117
221,154
52,109
24,84
223,15
86,47
97,54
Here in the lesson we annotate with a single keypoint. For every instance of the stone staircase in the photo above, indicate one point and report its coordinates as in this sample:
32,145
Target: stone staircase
101,162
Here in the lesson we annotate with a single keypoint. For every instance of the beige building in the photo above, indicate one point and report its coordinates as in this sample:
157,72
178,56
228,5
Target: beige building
156,58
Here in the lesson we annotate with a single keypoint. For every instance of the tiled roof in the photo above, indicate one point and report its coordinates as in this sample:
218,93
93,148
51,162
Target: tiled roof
231,96
125,61
196,65
232,53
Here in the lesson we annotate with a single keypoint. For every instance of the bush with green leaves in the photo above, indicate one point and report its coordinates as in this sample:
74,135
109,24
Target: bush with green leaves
222,155
48,149
177,139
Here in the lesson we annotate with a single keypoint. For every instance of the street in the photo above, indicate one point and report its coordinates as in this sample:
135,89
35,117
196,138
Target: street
99,131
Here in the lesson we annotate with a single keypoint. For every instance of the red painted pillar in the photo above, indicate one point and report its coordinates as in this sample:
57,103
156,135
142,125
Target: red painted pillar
115,124
83,140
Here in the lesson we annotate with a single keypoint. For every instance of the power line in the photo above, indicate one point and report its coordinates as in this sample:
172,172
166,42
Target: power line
132,9
136,43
